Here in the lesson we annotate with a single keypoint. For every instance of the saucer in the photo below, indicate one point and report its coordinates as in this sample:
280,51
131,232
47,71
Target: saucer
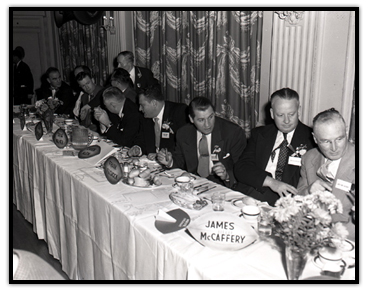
317,262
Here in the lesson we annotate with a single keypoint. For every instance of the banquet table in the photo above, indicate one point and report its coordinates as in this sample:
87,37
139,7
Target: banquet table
101,231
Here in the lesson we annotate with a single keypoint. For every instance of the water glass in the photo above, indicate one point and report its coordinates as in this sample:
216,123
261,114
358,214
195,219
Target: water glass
218,201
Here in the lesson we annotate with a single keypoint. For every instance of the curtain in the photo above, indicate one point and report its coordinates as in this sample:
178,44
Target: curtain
84,45
215,54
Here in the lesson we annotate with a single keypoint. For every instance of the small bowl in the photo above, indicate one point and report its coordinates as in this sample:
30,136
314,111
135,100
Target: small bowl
69,121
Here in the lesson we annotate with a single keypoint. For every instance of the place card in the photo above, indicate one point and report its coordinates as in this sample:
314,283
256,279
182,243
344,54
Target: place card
89,152
223,231
38,130
22,122
163,216
60,138
113,170
182,220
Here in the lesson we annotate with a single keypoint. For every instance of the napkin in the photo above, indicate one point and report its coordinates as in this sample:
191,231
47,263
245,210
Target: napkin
163,216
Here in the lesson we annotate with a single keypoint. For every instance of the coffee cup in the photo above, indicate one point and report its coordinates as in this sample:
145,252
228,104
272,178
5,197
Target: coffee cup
184,183
331,261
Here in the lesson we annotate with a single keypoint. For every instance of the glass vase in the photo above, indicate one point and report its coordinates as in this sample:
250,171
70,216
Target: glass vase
295,263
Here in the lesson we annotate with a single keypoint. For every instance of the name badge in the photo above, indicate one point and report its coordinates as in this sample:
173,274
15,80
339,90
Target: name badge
165,135
214,158
343,185
295,161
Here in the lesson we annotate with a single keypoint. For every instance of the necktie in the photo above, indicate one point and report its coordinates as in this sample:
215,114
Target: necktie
324,173
282,159
204,158
157,132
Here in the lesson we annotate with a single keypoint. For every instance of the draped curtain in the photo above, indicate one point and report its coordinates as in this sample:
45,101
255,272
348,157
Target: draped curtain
216,54
84,45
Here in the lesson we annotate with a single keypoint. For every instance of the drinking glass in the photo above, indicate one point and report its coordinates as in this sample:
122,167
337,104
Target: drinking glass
218,201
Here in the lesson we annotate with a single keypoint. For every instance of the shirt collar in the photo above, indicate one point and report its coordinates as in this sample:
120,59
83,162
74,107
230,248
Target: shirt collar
121,110
160,115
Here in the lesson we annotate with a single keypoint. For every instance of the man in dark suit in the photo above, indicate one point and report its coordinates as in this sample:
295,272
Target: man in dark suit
91,91
269,167
120,78
23,80
58,88
331,166
121,122
209,146
141,77
161,121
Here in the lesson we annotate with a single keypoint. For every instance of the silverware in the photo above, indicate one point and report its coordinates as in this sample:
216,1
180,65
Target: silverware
206,190
199,186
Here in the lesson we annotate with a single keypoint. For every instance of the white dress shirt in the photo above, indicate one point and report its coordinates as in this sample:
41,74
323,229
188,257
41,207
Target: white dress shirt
132,74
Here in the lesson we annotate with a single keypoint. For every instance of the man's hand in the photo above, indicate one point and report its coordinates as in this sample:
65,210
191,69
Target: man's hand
220,170
319,185
165,158
101,116
281,188
151,156
84,111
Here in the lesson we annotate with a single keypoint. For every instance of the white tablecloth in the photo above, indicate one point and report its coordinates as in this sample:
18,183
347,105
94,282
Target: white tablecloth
102,231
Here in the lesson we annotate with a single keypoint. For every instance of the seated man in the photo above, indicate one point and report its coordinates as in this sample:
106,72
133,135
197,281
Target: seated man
141,77
331,166
121,122
161,121
76,89
209,146
91,91
60,89
120,78
269,167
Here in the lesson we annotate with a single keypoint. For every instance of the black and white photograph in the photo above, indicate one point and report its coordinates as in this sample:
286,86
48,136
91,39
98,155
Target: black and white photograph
184,145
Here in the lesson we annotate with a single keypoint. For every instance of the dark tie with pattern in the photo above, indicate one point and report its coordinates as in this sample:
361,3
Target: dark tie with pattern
282,158
157,132
204,158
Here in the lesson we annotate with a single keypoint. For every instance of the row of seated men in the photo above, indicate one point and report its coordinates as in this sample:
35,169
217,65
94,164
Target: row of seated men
283,158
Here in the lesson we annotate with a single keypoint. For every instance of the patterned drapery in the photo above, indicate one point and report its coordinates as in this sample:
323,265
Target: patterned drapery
84,45
216,54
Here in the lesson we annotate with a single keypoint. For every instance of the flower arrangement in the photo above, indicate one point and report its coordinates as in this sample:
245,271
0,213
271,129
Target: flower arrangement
299,151
304,223
48,104
166,126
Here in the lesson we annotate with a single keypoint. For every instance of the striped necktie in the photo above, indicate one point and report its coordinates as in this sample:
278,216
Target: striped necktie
157,132
204,157
282,158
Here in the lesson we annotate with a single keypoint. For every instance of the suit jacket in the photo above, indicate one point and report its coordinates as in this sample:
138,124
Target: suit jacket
227,137
143,78
23,83
124,130
250,170
175,114
65,94
311,162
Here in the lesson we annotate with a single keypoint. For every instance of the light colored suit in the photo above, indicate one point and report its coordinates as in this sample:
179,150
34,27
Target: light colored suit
311,162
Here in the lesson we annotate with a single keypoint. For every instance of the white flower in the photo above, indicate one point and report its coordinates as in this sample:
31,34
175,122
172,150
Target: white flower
302,152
